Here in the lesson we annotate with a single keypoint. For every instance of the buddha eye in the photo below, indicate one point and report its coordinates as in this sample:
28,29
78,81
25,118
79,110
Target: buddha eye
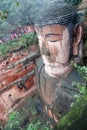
53,41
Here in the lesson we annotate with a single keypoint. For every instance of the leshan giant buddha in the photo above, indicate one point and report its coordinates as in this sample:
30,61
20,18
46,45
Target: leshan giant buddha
60,39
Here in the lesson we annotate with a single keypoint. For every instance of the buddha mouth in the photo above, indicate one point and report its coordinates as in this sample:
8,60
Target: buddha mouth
48,61
51,61
53,64
57,61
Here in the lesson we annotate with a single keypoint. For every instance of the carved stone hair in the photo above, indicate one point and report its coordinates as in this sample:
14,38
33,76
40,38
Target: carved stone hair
56,12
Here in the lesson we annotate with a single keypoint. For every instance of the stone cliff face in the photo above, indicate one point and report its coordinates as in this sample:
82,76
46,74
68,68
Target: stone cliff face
17,78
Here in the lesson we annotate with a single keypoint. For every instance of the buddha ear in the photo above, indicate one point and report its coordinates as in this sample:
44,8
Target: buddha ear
77,45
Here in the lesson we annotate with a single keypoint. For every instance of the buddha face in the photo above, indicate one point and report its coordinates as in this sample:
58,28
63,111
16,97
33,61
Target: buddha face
54,42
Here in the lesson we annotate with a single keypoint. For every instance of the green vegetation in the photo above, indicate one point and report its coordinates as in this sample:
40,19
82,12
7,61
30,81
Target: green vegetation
74,115
19,118
26,117
37,125
15,122
25,41
16,13
82,70
79,108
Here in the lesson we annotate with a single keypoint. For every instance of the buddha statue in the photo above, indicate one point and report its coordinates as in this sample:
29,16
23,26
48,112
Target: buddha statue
60,42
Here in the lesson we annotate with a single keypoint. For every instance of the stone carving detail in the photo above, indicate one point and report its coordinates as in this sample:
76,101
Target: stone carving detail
60,40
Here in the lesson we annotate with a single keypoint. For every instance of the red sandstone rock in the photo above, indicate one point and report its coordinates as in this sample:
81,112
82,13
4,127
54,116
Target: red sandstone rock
12,98
17,79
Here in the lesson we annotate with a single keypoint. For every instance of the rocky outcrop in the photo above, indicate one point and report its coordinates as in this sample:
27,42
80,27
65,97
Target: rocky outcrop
17,78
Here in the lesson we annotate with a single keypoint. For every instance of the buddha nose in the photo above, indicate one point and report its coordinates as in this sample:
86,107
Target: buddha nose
47,53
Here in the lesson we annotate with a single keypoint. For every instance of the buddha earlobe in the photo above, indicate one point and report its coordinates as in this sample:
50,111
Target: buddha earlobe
78,43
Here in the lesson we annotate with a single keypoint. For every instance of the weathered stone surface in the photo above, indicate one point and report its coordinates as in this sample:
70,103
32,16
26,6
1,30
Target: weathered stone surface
17,79
57,92
60,41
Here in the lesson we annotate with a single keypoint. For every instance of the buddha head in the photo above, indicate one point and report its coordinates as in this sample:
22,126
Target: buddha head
59,36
